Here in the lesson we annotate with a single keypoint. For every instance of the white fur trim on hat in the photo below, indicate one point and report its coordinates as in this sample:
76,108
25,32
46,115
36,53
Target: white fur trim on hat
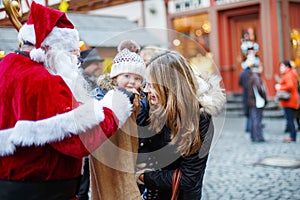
128,62
62,38
26,34
59,38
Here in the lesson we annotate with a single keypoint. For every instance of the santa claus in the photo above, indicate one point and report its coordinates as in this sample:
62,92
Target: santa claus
48,123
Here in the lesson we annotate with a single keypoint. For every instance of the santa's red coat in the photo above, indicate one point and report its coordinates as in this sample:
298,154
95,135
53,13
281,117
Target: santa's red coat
29,92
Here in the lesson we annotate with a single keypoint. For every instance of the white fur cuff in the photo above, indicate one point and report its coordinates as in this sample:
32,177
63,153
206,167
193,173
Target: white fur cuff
56,128
6,146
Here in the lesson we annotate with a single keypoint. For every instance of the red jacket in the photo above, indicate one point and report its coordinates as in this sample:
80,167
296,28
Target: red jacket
29,92
289,82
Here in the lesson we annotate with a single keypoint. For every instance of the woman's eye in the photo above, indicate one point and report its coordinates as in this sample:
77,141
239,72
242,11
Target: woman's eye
149,85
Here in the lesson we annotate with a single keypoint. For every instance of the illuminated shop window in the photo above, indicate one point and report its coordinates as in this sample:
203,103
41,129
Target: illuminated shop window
295,47
197,27
192,39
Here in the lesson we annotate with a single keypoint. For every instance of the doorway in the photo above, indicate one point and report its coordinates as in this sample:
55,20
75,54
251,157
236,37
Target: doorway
239,28
246,36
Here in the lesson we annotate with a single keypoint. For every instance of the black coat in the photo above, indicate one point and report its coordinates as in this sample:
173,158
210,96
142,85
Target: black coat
254,80
243,83
162,158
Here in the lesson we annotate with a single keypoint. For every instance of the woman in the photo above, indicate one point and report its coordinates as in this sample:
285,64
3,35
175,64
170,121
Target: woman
256,91
181,126
289,83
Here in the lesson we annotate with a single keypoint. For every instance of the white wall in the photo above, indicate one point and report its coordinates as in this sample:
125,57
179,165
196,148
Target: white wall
153,21
130,10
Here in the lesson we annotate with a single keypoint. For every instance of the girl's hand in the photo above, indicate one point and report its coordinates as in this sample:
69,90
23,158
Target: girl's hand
133,90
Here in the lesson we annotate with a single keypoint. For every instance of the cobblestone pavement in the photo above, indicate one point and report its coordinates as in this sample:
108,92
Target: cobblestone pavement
233,172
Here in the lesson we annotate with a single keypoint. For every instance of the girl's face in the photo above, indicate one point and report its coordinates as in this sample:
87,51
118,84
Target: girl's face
129,81
152,93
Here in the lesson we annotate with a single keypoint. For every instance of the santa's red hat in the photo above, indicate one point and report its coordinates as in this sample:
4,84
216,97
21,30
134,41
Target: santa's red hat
48,27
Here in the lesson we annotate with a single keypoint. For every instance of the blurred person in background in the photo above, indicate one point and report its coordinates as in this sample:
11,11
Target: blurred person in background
92,66
257,100
289,83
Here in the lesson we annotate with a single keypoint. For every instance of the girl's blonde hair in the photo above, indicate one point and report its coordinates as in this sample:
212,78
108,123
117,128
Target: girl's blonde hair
176,85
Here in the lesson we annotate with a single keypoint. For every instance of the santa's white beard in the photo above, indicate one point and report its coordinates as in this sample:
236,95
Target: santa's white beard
64,64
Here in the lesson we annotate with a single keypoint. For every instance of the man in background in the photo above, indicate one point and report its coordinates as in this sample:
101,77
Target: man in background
92,66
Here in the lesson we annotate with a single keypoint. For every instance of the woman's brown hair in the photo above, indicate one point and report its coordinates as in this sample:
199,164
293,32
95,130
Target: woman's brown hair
176,85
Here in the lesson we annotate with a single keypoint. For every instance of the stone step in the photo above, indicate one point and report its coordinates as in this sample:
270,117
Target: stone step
234,107
237,105
266,114
273,113
234,97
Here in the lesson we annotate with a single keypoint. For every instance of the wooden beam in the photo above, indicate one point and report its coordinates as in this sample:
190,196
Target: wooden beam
87,5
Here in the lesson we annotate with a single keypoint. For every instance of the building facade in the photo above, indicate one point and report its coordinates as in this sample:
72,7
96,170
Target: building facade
225,27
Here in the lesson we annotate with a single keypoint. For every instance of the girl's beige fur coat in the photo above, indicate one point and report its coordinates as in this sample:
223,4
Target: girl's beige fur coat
112,165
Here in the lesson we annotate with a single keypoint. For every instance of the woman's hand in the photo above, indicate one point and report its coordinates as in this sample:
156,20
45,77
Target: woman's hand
139,175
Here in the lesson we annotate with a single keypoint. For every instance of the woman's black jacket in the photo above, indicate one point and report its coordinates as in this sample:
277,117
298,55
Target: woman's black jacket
163,158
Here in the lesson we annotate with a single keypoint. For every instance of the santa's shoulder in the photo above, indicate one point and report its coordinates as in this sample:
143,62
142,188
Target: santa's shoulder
17,69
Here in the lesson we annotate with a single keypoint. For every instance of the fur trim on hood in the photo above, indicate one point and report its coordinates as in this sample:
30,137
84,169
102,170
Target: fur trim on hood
105,82
210,93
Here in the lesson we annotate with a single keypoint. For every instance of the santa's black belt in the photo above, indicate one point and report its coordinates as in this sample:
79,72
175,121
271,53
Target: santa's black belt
40,190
